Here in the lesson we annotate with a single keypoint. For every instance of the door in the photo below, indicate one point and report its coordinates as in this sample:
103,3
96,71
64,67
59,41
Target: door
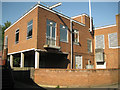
78,62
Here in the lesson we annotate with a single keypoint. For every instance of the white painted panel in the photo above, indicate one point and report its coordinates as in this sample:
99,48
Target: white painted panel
99,41
101,66
78,62
113,42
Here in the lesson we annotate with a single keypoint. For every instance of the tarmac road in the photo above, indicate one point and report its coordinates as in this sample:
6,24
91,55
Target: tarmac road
32,86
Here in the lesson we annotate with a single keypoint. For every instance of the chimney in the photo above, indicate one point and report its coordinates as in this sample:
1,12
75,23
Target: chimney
84,18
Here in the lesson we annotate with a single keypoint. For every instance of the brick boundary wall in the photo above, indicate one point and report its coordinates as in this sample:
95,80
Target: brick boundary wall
76,78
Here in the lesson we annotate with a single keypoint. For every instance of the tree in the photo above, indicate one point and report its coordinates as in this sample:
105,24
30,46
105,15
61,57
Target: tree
4,27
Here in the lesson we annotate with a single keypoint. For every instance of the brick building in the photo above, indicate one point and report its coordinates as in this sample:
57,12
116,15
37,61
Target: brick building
44,38
107,45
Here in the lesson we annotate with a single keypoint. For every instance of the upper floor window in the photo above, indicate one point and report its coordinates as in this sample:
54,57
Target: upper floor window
29,29
6,41
89,45
51,33
17,36
113,42
99,42
76,36
63,33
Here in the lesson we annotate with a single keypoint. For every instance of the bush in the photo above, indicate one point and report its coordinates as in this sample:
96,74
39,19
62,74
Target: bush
58,86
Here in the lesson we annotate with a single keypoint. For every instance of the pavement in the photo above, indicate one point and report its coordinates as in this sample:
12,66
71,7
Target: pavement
33,86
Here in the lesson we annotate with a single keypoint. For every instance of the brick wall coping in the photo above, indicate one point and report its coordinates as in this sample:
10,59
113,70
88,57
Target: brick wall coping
77,70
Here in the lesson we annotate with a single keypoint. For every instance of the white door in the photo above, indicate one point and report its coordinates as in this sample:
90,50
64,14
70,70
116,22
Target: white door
78,62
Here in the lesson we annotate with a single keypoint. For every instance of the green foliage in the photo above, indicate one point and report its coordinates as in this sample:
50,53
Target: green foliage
58,86
16,61
5,26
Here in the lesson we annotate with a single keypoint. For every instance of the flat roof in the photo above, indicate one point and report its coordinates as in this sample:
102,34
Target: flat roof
105,26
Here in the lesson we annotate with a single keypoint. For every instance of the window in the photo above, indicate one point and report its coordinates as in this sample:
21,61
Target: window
89,45
51,33
99,56
99,41
29,29
113,42
76,36
6,41
63,33
17,36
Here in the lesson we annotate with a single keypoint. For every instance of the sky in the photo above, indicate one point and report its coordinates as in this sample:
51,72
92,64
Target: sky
103,13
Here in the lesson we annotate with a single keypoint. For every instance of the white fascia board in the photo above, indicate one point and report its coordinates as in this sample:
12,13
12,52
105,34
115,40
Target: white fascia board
105,27
21,18
26,51
61,15
78,23
21,51
53,11
79,15
45,9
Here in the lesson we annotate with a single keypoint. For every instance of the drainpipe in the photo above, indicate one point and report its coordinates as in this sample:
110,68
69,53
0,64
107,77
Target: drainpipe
90,15
71,44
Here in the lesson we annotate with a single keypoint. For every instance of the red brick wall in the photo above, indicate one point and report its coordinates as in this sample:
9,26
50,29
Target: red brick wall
111,55
22,25
84,34
75,78
38,39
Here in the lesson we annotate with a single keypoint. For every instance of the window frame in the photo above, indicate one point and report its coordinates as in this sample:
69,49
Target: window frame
91,46
28,37
6,42
77,43
110,42
50,37
66,28
103,41
18,36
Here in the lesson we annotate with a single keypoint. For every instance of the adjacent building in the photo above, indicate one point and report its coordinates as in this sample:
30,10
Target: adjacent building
107,45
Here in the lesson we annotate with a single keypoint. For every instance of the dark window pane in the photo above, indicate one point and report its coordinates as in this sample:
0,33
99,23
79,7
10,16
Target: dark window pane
48,30
29,29
17,36
53,32
63,33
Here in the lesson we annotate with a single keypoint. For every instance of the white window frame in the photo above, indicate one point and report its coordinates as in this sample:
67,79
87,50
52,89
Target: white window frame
103,42
91,46
6,41
77,43
109,40
67,34
15,35
28,37
81,61
51,32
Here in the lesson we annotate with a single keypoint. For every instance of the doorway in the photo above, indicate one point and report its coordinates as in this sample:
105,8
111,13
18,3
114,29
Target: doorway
78,62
